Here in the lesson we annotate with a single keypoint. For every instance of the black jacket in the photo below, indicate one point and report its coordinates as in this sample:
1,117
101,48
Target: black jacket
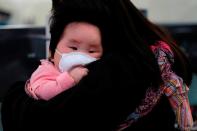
113,88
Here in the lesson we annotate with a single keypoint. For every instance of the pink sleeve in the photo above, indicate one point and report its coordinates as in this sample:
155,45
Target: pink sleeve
47,82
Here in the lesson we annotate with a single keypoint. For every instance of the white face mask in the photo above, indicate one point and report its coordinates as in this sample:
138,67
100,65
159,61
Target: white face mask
69,60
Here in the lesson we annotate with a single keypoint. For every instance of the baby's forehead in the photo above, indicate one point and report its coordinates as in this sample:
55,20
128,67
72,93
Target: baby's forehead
81,32
78,24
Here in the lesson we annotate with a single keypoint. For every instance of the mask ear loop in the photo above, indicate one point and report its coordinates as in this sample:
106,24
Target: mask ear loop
58,52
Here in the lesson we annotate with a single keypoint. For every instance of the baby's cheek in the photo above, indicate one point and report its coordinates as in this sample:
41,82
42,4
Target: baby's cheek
63,48
57,58
97,55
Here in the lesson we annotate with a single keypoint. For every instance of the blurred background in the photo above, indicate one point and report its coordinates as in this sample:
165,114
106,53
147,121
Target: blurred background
24,35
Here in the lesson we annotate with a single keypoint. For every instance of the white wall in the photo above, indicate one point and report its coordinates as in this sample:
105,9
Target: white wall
27,11
170,11
163,11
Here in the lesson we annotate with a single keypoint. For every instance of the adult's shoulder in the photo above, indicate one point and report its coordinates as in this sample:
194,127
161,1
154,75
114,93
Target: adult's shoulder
111,90
15,90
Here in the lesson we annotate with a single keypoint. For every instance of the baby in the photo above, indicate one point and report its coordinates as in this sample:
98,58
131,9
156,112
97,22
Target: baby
79,45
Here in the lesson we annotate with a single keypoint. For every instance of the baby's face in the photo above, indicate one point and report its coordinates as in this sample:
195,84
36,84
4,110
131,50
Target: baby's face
80,37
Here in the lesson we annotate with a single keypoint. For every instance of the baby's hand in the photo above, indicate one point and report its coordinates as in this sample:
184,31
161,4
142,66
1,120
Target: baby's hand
78,73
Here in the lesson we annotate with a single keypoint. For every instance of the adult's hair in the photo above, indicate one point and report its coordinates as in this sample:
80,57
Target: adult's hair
124,30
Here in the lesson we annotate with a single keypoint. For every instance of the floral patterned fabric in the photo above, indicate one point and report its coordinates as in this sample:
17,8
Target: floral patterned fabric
173,87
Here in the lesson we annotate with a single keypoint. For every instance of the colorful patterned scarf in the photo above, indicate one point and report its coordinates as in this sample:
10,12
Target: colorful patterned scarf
173,87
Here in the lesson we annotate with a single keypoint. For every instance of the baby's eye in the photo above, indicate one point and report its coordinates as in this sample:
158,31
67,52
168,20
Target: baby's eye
91,51
73,47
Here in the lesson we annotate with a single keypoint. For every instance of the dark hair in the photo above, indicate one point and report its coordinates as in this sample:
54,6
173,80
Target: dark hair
124,30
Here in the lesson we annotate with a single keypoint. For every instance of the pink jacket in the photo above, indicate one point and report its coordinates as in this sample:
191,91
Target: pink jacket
47,82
